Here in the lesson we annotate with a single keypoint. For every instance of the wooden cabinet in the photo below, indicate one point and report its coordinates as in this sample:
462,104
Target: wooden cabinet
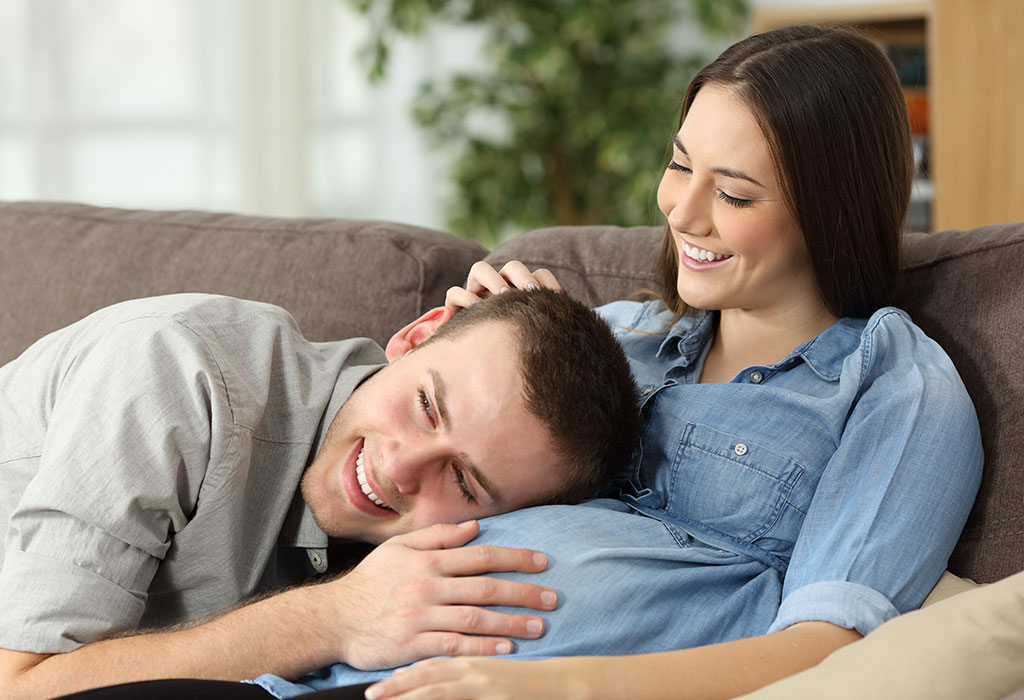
975,58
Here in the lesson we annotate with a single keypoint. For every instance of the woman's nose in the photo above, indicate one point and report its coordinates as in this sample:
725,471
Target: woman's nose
688,210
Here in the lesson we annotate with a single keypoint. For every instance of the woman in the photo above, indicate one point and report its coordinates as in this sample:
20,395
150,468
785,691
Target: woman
810,453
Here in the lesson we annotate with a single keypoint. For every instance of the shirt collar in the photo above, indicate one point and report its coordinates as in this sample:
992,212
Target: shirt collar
688,337
824,354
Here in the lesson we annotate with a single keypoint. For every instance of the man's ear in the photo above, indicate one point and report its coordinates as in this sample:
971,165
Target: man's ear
416,332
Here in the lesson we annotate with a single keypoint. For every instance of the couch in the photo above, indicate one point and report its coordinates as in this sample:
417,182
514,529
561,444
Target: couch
342,278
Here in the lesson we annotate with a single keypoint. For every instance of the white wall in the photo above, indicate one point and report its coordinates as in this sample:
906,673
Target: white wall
258,106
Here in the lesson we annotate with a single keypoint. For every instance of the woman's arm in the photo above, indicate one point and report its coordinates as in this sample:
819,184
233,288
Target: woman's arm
716,671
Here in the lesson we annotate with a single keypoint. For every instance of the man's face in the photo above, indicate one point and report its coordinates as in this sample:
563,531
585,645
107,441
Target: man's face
440,435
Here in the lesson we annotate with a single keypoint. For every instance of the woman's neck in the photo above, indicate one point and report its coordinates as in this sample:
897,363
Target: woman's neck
745,338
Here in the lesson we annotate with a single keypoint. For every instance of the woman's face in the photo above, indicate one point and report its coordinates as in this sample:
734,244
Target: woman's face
738,245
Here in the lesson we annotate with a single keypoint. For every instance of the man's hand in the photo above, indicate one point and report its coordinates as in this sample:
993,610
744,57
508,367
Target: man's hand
417,595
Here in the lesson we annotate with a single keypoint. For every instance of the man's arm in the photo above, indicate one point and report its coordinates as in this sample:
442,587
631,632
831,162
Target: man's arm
414,596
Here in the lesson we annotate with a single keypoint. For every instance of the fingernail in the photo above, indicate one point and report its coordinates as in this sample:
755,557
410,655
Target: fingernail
534,626
373,692
503,290
466,523
401,670
539,559
504,648
531,286
548,597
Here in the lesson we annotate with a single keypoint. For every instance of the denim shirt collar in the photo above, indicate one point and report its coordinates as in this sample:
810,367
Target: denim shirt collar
823,354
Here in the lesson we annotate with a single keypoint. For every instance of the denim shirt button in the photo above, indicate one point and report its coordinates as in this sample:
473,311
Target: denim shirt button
647,390
756,377
740,449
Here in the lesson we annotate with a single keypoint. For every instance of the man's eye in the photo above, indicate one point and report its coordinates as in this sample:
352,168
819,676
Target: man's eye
460,481
426,407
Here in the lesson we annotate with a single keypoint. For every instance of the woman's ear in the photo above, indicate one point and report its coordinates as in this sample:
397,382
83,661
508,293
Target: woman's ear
416,332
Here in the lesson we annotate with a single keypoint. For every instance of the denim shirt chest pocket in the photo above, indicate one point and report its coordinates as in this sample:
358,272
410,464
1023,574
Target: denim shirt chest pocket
728,483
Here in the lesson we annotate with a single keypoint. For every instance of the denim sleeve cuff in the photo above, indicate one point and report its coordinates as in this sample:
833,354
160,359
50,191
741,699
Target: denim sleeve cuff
850,605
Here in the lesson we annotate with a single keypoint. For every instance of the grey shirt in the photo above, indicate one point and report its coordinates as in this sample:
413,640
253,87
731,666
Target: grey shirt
150,457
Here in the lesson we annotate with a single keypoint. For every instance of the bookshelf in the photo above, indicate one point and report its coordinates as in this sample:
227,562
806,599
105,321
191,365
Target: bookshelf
971,109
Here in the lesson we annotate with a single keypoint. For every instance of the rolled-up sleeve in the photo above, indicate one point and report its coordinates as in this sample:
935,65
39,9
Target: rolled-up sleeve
893,499
126,448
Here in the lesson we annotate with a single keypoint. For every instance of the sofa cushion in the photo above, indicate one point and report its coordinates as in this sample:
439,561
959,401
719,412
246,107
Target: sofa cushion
596,264
966,290
339,278
967,646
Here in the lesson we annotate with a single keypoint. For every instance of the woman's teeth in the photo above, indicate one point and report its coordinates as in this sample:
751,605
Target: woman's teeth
364,484
701,255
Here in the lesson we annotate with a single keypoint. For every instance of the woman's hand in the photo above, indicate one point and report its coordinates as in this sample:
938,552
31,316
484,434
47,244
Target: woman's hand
484,281
478,678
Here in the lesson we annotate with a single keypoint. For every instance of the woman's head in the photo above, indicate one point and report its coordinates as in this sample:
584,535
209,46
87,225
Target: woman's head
831,113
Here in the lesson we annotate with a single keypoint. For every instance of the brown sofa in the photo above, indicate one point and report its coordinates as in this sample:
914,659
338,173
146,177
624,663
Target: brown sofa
342,278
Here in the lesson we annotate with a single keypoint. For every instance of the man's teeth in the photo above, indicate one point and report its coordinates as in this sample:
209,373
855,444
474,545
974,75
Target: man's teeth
364,484
703,255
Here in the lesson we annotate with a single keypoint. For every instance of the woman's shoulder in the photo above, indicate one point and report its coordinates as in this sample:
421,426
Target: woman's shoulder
646,318
892,344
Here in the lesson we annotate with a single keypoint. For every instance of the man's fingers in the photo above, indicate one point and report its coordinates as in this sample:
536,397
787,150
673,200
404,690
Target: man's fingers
469,619
483,559
440,536
454,644
488,590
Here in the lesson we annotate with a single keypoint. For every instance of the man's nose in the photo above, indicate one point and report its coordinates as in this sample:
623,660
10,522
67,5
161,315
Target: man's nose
409,467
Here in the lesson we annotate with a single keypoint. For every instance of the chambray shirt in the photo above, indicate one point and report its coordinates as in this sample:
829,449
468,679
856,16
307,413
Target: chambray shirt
150,457
829,486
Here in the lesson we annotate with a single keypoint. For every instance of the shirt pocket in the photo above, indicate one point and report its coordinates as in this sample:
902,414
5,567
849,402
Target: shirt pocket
730,483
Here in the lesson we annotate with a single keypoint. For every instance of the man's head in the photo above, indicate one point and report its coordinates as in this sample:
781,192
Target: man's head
522,399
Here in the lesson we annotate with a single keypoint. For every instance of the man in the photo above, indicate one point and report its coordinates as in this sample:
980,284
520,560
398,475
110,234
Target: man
150,465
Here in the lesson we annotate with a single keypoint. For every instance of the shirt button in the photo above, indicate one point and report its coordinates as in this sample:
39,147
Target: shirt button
740,449
647,390
315,558
756,377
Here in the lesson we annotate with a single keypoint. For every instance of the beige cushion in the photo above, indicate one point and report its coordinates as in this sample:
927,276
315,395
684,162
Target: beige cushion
966,645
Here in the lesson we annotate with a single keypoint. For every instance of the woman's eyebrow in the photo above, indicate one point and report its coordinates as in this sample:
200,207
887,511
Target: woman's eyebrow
727,172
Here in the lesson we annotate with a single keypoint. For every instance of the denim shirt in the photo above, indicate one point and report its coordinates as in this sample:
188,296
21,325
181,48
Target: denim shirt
832,485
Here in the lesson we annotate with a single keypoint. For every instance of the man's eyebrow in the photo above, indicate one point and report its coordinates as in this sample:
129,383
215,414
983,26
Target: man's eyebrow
440,395
727,172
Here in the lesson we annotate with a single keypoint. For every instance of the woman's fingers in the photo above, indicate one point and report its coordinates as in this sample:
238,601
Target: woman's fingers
485,281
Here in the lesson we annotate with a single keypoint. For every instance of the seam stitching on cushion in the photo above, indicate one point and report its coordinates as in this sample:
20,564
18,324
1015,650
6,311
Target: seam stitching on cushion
952,256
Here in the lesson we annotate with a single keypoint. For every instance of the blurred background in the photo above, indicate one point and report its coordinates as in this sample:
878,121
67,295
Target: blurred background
483,118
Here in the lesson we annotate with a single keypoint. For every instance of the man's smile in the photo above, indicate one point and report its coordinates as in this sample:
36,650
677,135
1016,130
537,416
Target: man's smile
359,490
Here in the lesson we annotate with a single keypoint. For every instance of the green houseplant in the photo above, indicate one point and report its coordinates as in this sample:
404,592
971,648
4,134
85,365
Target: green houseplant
581,93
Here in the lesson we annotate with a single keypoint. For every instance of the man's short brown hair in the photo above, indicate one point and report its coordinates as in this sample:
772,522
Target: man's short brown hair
575,377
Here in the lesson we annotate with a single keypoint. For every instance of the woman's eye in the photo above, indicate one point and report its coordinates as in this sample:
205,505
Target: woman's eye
672,165
734,201
426,407
460,482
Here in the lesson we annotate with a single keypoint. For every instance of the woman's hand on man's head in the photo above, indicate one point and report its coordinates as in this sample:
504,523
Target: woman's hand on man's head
484,281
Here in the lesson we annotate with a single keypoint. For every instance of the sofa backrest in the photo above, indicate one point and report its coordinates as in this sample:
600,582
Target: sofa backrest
964,288
339,278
